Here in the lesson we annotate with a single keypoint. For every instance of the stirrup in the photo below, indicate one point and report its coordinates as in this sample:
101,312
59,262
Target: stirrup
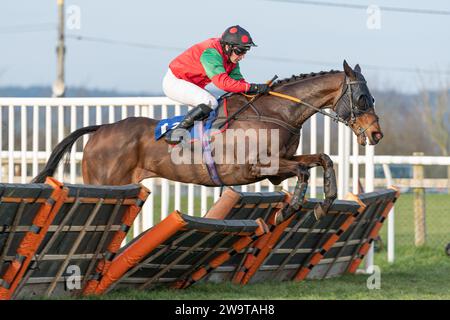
199,112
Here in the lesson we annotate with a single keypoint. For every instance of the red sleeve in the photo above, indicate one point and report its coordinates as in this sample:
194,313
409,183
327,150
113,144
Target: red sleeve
224,82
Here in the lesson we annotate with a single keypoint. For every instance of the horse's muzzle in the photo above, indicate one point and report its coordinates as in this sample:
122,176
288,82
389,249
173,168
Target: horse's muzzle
376,136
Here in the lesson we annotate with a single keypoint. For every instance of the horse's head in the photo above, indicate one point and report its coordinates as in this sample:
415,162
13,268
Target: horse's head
356,106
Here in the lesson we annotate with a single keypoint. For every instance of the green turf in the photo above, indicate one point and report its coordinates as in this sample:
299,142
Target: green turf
437,220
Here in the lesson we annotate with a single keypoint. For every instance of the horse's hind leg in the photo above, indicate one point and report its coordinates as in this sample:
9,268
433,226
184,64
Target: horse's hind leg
95,173
110,156
88,174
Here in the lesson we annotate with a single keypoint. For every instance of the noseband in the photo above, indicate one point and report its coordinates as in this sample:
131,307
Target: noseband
353,107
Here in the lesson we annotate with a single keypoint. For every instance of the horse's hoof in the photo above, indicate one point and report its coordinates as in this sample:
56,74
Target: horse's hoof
285,214
279,218
319,212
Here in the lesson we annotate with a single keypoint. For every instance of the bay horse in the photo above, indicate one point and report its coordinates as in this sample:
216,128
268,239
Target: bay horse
127,151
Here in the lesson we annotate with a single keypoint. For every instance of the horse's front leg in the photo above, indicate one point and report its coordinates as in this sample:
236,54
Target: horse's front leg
298,195
329,178
287,169
299,166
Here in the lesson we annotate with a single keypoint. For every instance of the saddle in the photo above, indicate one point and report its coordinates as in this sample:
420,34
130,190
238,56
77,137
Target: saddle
213,124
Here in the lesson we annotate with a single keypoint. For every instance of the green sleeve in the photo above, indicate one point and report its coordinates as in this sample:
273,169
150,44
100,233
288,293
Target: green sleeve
236,73
212,62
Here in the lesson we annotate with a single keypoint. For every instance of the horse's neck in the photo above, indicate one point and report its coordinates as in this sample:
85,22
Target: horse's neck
320,92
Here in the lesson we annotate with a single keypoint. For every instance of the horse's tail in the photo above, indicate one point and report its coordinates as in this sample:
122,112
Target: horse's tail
60,150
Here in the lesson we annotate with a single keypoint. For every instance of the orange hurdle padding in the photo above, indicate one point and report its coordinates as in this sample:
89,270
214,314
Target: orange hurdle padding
148,242
114,246
318,256
264,245
239,245
32,240
222,208
253,263
250,258
315,259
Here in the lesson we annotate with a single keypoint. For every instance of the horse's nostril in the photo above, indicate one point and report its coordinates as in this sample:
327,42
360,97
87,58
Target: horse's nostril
377,136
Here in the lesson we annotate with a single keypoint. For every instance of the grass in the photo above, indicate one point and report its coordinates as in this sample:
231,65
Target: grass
437,220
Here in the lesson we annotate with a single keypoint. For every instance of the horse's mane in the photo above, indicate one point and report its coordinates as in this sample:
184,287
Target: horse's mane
292,79
303,76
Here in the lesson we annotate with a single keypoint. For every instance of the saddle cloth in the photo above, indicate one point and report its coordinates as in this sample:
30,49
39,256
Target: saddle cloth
214,120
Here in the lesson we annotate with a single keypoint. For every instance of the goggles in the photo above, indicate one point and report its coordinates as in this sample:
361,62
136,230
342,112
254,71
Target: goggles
240,51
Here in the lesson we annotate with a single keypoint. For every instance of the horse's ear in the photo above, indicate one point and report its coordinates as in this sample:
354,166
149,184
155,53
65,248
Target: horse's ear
348,70
358,68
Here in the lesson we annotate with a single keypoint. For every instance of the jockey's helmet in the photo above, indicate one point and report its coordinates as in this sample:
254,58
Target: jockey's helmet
238,38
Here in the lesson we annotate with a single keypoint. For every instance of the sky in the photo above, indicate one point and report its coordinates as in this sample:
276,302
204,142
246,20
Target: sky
292,38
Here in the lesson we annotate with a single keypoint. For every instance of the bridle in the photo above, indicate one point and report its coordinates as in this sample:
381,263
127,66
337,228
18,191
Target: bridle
346,91
354,110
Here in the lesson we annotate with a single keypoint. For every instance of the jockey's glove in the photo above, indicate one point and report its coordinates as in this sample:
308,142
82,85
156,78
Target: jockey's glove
256,88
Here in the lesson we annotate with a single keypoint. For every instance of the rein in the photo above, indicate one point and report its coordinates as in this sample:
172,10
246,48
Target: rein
299,101
242,108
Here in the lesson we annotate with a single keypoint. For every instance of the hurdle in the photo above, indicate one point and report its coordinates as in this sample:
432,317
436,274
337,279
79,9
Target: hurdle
347,253
45,229
301,247
26,211
74,225
246,205
178,252
291,245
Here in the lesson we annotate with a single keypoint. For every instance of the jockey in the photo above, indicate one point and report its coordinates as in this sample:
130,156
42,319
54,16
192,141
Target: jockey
214,60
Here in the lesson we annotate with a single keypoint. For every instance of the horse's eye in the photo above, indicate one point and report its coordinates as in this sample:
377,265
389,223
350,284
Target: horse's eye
363,102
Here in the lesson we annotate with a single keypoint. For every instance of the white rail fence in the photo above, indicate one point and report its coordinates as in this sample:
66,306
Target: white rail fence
31,127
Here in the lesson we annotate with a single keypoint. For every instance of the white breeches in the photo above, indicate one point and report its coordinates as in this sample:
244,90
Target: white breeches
185,92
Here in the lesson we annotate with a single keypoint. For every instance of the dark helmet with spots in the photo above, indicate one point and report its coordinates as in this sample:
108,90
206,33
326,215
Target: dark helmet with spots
236,36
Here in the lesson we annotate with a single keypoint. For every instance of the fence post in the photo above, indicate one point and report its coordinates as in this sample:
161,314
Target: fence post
391,219
448,179
419,204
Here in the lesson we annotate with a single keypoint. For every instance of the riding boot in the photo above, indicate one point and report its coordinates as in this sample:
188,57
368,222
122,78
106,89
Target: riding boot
199,112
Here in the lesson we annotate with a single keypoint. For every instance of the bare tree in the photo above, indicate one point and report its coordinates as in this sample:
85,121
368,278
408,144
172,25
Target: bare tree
437,119
402,127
